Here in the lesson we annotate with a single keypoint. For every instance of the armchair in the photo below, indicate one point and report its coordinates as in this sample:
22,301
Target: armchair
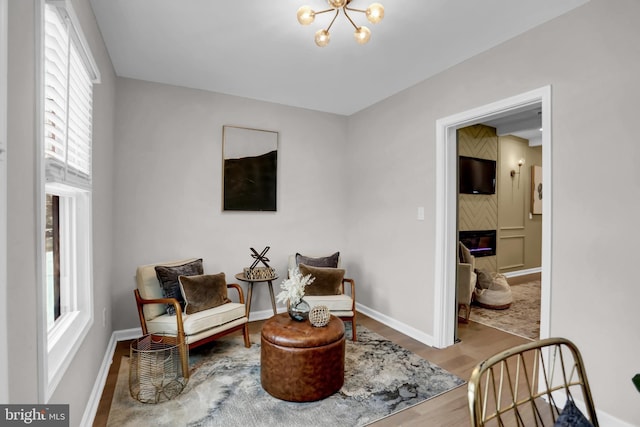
466,280
342,303
533,384
192,328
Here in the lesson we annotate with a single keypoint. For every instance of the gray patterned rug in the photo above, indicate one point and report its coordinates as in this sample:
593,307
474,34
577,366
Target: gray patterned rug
522,318
381,378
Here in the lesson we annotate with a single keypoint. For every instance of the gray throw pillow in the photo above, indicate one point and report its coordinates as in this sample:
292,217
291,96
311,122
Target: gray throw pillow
485,278
572,417
327,261
168,278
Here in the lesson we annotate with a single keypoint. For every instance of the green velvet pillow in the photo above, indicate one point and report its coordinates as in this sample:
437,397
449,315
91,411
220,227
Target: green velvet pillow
327,280
203,291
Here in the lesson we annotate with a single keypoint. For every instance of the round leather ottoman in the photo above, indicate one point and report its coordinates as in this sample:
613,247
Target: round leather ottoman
299,362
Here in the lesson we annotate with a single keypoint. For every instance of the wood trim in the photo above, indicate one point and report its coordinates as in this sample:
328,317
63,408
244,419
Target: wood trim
506,267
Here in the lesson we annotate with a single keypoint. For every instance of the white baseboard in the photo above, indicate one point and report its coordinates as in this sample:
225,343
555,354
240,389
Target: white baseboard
523,272
398,326
605,419
127,334
264,314
96,393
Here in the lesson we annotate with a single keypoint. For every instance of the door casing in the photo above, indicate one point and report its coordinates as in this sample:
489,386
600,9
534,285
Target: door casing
445,307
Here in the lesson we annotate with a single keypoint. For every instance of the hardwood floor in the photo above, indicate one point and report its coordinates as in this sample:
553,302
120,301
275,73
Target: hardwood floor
477,342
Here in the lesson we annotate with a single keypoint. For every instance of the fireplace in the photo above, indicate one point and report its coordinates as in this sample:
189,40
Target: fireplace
479,242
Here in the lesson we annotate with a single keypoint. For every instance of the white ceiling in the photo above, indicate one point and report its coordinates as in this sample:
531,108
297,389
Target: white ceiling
525,122
257,49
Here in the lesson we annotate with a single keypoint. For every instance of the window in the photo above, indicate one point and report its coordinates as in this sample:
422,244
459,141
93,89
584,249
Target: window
52,251
67,110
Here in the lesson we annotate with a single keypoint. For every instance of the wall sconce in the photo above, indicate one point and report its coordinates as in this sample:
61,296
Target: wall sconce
514,173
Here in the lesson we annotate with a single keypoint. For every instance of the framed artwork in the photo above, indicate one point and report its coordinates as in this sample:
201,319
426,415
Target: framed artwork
250,166
536,190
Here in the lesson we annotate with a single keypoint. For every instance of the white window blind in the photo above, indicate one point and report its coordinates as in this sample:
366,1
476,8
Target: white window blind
68,90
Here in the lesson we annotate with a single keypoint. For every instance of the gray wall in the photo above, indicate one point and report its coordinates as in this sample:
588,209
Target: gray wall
591,57
169,186
346,183
75,388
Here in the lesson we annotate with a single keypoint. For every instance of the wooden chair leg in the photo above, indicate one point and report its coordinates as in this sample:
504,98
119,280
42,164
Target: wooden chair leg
353,329
184,357
467,312
245,332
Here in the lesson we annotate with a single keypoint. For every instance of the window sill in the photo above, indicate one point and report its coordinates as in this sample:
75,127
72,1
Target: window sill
64,341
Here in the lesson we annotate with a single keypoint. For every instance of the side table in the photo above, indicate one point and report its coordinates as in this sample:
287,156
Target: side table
242,277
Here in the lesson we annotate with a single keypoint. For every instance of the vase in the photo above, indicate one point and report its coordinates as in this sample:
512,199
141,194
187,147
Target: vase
299,311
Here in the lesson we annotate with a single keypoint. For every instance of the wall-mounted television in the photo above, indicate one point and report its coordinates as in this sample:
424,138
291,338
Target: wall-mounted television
476,176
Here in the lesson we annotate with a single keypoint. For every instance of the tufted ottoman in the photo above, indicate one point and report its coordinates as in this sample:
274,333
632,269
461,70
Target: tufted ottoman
299,362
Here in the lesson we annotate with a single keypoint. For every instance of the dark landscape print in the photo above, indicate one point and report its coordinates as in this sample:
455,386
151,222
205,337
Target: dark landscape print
250,183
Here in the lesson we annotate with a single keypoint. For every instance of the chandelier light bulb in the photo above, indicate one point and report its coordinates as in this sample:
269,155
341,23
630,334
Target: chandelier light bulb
337,4
322,38
362,35
306,15
375,13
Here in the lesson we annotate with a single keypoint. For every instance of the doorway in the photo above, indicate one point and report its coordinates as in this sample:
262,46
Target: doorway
445,307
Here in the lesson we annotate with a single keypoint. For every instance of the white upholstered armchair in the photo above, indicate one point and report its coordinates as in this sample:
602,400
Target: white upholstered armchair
466,280
342,302
162,314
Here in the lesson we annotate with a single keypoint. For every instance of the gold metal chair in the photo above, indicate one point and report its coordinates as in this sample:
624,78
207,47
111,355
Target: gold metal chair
528,385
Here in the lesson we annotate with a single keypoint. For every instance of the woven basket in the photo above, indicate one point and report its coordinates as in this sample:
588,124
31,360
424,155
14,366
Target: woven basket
257,273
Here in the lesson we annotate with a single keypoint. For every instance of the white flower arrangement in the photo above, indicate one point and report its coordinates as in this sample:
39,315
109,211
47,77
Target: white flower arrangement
293,287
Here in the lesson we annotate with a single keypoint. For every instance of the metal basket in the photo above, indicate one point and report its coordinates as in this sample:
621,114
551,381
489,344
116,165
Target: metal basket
156,368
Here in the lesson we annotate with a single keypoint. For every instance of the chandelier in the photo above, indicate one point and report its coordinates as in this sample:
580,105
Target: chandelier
362,34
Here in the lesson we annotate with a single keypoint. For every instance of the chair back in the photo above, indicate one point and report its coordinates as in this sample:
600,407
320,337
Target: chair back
528,385
149,286
293,264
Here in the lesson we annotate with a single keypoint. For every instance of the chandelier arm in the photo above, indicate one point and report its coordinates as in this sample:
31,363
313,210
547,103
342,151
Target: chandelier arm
349,18
334,19
355,10
324,11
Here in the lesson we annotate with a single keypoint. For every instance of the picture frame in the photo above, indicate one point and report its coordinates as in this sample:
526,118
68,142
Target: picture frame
250,169
536,190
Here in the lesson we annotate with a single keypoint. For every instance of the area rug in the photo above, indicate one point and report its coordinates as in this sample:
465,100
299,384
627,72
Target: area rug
381,378
522,318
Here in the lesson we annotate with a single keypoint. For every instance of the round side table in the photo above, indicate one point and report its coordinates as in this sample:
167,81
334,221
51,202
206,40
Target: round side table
242,277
